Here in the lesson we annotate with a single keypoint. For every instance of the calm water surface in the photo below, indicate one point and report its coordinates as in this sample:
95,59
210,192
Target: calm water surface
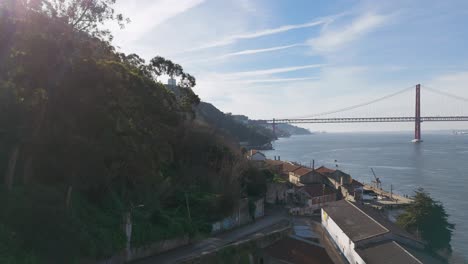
439,165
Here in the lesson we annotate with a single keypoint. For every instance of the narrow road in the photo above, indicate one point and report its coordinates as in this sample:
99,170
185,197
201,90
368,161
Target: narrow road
269,221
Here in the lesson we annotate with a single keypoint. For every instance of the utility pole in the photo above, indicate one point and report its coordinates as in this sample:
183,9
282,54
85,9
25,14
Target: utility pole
188,208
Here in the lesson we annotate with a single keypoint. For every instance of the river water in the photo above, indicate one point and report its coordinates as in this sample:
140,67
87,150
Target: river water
439,165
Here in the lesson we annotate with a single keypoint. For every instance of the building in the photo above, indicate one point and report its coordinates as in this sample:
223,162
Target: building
295,250
302,176
363,236
315,195
256,155
171,82
289,167
336,176
275,166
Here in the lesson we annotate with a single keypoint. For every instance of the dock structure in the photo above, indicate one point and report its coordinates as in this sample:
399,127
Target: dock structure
390,199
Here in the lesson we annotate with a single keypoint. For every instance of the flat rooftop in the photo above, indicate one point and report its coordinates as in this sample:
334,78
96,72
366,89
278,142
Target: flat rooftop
356,224
389,252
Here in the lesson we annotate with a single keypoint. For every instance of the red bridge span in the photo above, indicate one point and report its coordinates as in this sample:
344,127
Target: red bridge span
417,119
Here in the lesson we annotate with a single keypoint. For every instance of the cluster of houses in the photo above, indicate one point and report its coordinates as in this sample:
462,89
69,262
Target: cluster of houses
305,189
360,233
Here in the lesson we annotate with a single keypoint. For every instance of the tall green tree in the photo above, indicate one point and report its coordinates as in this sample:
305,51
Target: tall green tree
428,218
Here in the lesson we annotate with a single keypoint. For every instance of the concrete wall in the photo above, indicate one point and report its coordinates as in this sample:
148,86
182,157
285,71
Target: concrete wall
294,179
259,208
321,199
143,252
276,192
342,241
240,216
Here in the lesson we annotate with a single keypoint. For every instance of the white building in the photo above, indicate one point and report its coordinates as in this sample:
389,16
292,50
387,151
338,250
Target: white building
362,239
172,82
256,155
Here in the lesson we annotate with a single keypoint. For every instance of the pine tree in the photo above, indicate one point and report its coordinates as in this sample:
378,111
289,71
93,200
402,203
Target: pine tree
428,218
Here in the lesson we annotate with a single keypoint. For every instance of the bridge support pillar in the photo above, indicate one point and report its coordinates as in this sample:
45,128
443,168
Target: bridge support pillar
417,125
274,128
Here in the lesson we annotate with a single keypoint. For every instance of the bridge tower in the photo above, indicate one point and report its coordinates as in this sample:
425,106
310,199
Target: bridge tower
274,128
417,126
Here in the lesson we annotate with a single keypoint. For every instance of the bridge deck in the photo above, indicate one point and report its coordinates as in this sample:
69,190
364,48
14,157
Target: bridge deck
365,120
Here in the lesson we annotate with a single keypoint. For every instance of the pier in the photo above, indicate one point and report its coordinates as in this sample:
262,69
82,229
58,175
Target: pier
388,199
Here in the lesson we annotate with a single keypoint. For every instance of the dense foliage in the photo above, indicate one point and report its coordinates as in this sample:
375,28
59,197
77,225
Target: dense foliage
256,136
427,218
88,134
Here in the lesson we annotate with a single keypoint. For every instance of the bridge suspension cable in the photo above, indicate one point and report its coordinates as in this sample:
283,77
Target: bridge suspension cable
446,94
358,105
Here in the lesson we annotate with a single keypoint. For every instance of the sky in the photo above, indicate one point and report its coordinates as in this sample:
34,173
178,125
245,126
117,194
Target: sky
296,58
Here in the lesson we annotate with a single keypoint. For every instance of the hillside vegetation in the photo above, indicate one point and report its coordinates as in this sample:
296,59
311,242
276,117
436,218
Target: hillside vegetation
88,135
256,136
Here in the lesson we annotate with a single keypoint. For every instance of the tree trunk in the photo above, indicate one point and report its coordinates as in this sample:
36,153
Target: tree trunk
69,194
10,173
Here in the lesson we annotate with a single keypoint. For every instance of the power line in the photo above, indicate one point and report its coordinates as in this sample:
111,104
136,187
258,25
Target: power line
446,94
356,106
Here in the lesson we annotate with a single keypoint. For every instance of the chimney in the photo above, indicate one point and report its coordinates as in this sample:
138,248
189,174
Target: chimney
275,157
279,157
313,165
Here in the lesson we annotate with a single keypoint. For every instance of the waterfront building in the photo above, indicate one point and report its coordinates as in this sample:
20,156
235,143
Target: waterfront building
316,195
303,176
363,236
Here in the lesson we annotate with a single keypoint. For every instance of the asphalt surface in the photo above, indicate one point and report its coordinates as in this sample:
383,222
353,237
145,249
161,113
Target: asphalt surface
272,220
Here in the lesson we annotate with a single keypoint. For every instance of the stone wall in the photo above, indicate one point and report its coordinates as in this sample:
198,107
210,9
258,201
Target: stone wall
240,216
143,252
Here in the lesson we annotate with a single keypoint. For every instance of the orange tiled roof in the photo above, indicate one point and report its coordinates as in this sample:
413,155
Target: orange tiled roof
302,171
288,167
274,162
324,169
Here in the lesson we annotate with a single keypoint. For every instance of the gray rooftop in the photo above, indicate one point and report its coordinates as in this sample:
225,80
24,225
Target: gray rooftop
356,224
388,252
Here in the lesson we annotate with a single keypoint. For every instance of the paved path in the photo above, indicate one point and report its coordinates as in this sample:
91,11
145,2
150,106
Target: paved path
271,220
318,232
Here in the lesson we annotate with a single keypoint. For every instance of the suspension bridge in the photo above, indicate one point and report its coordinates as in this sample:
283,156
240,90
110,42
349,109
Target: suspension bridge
417,119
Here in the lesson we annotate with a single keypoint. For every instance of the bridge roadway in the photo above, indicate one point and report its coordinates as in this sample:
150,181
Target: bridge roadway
364,120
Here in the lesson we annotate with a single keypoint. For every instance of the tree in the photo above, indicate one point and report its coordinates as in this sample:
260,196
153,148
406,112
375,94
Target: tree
427,218
84,15
159,66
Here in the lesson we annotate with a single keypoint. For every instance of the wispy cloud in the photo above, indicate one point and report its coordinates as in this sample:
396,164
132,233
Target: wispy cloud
332,40
255,51
146,15
277,80
232,39
270,71
244,53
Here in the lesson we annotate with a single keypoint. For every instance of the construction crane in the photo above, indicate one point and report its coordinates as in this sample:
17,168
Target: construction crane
377,182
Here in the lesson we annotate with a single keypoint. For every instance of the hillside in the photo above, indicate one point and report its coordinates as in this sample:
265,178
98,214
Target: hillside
90,142
250,135
293,130
248,132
